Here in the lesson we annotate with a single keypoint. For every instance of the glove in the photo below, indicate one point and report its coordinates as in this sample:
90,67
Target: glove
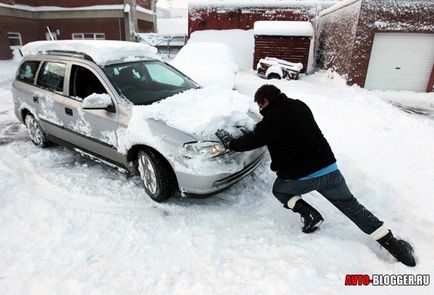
224,136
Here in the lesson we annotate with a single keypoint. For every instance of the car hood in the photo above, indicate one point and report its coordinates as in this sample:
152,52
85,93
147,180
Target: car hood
196,114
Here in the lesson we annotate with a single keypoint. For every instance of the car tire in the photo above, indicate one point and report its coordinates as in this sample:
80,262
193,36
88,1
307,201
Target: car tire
36,134
274,76
156,175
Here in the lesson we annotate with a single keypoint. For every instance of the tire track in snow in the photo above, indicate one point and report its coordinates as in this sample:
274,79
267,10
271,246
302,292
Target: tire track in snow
36,185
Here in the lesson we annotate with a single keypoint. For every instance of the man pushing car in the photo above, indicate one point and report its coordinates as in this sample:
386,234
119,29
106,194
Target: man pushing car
304,162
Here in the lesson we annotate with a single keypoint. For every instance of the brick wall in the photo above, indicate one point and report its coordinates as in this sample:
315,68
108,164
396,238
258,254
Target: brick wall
34,30
11,24
387,16
336,35
346,35
145,4
144,26
112,28
225,19
68,3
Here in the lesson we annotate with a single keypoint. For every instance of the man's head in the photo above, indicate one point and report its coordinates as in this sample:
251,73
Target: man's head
265,94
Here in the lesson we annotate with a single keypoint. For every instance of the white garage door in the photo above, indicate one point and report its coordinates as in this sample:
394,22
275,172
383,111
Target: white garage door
401,61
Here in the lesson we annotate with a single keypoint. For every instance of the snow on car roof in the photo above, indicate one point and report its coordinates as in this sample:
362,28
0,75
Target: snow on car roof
101,51
283,28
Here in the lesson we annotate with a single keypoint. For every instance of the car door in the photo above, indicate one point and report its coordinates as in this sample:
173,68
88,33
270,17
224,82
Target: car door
92,130
49,95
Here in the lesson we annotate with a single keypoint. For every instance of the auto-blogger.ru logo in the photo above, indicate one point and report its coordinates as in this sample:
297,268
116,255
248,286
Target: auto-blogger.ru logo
387,280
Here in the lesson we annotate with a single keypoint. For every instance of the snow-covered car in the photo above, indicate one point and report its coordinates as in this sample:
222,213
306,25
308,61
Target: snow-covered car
275,68
118,102
208,63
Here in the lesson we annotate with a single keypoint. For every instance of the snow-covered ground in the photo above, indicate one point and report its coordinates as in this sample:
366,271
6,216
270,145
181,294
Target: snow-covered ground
73,226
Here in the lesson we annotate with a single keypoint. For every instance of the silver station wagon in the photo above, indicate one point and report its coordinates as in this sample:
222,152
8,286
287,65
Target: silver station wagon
81,94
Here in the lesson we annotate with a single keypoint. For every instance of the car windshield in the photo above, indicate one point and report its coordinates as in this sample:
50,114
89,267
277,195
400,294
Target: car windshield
145,82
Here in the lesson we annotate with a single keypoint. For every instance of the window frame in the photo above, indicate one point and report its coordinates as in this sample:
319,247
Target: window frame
75,35
97,75
17,37
35,74
65,77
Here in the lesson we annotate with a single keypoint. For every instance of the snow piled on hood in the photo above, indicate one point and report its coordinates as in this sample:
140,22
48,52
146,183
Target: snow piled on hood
198,112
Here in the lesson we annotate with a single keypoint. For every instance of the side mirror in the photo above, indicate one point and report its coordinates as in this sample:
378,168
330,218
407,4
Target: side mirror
98,102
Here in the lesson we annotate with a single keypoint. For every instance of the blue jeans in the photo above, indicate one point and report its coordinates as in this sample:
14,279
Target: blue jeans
334,188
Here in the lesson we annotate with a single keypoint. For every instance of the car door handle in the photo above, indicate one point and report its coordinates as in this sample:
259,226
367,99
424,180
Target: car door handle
36,99
68,111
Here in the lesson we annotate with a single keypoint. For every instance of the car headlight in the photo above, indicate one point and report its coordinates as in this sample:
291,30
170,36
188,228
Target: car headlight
207,149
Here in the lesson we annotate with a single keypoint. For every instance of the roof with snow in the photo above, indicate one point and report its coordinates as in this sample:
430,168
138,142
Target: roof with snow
101,51
283,28
259,3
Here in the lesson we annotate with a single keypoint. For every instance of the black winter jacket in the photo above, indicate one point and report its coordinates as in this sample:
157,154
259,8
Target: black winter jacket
296,144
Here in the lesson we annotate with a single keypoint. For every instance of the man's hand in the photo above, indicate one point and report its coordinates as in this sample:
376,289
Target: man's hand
224,136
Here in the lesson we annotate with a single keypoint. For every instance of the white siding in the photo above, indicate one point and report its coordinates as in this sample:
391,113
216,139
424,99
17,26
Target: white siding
400,61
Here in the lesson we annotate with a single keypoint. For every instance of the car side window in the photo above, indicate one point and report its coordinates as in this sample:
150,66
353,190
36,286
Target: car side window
52,76
27,71
84,83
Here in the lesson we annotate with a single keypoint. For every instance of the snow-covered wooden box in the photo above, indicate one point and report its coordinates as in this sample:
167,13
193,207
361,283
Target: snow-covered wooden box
287,40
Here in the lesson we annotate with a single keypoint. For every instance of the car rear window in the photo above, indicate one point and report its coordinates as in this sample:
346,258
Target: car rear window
27,71
51,76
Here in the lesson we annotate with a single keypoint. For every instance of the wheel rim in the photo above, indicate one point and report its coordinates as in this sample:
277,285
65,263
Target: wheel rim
35,131
147,173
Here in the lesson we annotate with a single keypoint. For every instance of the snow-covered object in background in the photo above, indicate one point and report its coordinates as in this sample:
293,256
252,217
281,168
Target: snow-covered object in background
101,51
96,100
283,28
153,39
269,67
208,63
241,42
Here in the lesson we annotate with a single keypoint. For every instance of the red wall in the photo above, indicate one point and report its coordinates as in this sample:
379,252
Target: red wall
25,27
69,3
225,19
33,30
145,3
145,27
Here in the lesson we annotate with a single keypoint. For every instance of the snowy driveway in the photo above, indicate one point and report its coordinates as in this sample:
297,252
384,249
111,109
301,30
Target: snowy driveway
72,226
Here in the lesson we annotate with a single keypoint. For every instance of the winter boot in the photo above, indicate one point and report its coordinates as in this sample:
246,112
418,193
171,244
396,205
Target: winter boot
309,216
399,249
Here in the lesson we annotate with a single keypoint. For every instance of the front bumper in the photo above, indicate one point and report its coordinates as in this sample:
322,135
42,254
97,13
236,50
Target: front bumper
211,184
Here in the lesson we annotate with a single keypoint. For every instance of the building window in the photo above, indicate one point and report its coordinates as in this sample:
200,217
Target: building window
88,36
15,40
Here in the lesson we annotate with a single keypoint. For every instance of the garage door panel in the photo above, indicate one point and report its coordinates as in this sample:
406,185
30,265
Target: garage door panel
400,61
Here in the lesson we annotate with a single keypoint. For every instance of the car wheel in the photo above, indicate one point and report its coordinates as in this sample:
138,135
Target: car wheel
156,176
274,76
36,134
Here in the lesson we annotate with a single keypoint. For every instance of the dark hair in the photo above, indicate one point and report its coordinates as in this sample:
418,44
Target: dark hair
266,91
